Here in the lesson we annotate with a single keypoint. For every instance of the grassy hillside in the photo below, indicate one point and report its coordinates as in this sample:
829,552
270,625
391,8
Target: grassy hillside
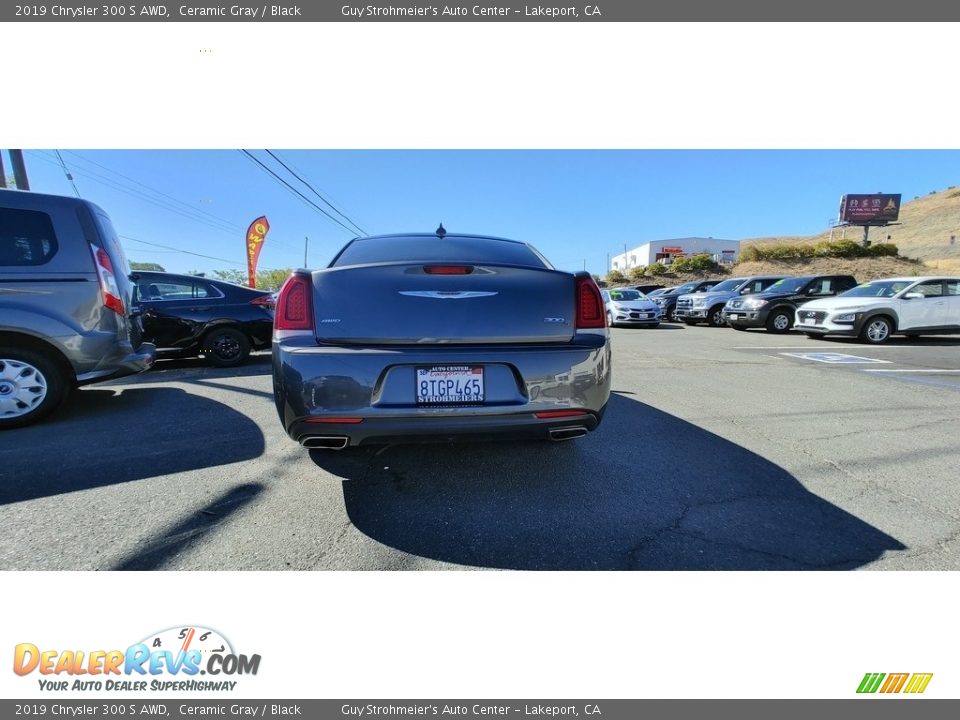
926,227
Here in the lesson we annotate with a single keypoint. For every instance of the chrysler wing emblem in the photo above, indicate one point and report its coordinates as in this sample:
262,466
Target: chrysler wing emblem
447,294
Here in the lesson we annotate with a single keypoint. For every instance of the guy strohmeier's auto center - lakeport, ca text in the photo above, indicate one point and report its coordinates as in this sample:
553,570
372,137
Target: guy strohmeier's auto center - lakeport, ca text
453,11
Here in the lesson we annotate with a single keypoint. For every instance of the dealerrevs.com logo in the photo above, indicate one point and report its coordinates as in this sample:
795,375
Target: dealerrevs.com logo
172,659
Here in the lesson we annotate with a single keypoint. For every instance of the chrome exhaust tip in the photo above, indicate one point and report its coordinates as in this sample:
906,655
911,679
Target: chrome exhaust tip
325,442
567,433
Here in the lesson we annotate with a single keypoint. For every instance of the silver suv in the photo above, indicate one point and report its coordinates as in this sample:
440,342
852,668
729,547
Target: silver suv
64,304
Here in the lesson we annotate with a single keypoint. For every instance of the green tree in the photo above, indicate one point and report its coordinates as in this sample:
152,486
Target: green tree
615,276
266,279
154,267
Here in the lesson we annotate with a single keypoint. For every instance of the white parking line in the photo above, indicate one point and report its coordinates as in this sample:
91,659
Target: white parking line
807,347
906,370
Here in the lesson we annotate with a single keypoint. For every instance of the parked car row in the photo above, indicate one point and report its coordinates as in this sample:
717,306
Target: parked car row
72,313
818,305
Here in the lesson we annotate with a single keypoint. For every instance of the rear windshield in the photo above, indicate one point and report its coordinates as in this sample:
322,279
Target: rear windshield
429,248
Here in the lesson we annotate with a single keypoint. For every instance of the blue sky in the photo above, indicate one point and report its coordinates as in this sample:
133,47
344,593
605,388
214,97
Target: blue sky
575,206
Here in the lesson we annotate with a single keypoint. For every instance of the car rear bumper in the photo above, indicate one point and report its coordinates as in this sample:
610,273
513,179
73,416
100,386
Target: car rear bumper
367,394
125,361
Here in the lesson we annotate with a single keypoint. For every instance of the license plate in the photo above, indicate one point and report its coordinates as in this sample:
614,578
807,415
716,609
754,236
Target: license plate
734,316
808,321
449,385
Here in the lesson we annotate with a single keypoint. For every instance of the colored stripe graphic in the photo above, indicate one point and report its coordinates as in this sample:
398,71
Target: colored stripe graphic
894,683
918,683
870,682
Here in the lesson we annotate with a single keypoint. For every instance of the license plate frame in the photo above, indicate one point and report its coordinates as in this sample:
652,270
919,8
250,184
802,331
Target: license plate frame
449,385
734,316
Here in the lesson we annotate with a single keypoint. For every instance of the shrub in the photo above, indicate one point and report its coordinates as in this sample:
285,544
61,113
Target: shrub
636,273
615,276
693,263
883,250
654,269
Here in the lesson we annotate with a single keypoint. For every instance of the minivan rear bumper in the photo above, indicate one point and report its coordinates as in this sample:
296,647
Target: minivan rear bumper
121,364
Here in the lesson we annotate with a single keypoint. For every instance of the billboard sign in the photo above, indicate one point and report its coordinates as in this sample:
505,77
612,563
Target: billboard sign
869,209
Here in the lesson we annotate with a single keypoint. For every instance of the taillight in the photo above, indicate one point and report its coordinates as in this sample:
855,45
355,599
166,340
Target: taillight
108,281
590,311
295,304
448,269
263,301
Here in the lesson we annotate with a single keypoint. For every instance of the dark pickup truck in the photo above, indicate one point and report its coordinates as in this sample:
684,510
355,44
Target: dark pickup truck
775,308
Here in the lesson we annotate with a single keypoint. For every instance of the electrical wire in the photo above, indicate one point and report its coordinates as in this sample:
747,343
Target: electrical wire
315,192
292,189
67,172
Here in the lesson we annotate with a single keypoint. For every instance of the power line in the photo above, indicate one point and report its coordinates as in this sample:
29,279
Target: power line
67,172
292,189
100,179
185,252
315,192
158,192
114,185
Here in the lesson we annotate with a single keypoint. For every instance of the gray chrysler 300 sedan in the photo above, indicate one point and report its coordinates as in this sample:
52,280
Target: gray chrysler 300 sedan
405,338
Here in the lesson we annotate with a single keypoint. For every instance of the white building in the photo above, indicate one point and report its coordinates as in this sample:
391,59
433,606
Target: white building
665,250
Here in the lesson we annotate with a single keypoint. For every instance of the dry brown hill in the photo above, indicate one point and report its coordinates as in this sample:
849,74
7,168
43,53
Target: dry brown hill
929,230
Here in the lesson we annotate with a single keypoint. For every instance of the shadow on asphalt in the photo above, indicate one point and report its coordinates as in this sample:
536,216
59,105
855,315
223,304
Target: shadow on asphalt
674,497
183,535
259,363
107,437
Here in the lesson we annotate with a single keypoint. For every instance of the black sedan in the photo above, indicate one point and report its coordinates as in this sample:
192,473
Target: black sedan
186,316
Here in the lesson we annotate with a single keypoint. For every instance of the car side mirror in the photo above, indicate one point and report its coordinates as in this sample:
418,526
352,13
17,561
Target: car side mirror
914,296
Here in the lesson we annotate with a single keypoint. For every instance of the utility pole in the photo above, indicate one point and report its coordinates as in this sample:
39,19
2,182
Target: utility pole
19,170
306,242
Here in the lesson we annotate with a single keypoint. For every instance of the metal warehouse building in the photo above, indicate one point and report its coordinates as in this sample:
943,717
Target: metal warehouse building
665,250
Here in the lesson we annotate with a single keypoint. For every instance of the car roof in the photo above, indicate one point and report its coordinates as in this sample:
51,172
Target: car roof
448,236
913,279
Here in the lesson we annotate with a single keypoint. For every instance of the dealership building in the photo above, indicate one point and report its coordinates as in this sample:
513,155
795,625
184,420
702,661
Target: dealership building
665,250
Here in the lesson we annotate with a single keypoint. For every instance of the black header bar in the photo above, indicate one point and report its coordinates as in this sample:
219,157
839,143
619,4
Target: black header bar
861,12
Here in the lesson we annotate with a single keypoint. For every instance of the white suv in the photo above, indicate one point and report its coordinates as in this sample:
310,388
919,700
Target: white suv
876,310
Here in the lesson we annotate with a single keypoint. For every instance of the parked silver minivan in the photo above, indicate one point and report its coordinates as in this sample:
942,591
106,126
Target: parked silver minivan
64,304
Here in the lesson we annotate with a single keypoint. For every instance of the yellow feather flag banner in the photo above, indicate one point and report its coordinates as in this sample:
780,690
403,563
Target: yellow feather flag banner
256,234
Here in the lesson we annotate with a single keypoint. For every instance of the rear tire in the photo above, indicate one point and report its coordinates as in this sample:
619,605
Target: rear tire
226,347
32,386
876,330
780,321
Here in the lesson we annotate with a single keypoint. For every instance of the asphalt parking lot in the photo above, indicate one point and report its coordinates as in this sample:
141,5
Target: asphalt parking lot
720,450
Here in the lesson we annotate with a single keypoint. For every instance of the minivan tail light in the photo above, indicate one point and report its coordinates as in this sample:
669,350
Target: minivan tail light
590,311
108,280
295,304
